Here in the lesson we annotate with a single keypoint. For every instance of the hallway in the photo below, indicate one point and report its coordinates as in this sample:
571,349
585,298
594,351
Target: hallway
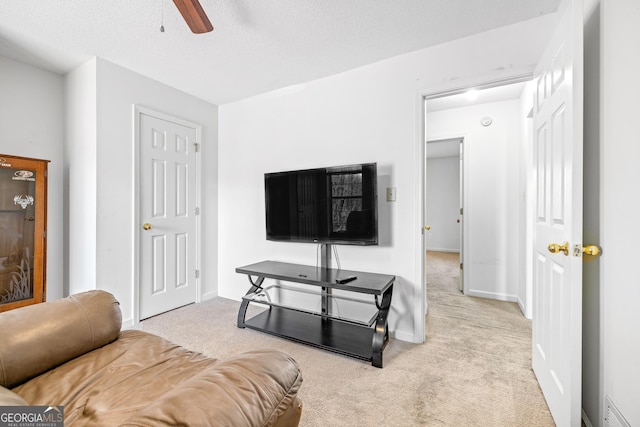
489,345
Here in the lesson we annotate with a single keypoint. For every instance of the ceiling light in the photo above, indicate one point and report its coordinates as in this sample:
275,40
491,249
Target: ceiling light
472,94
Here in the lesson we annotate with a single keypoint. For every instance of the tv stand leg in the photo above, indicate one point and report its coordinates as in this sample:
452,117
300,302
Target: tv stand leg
245,302
381,333
325,265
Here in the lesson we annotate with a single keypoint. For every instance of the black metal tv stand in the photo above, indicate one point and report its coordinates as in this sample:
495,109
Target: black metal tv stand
334,321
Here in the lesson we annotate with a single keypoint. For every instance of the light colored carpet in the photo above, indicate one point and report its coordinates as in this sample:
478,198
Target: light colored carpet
473,370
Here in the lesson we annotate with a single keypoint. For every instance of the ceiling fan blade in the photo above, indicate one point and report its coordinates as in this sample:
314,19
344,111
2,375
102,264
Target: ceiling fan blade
194,15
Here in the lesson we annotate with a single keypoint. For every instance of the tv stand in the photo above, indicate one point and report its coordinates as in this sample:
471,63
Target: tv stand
341,321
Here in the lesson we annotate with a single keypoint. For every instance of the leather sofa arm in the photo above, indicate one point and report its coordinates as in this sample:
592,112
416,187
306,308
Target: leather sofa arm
40,337
9,398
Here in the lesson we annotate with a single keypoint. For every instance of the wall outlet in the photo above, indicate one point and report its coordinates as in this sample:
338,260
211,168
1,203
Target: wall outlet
391,194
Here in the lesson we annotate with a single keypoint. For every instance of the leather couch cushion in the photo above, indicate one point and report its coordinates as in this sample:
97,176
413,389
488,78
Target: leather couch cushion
37,338
143,380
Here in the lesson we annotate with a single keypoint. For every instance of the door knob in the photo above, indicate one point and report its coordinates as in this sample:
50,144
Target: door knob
146,226
592,250
427,227
554,248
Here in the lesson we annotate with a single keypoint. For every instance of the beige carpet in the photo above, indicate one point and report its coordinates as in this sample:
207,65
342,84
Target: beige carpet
474,369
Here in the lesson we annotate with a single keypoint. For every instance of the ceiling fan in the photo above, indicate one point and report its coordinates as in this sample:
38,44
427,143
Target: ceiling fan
194,15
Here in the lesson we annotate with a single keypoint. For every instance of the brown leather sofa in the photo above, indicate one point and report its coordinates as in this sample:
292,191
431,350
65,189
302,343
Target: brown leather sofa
71,352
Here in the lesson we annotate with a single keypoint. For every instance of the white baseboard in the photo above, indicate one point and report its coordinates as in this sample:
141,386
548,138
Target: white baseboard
128,324
402,336
492,295
456,251
523,309
209,295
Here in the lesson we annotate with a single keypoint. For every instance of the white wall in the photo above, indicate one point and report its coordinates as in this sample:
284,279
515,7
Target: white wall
491,194
80,177
620,203
31,125
117,90
370,114
443,203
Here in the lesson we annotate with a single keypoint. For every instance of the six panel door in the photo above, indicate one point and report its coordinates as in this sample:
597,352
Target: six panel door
168,212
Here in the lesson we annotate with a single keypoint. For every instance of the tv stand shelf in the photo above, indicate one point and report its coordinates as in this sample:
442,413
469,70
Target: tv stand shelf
345,325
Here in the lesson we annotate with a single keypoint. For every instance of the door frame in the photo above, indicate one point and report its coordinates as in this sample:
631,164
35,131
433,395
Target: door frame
462,200
138,110
421,98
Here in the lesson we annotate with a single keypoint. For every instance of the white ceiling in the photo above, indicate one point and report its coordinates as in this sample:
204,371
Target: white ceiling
256,46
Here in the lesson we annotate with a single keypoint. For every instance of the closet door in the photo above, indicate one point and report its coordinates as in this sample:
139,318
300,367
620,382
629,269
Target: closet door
23,223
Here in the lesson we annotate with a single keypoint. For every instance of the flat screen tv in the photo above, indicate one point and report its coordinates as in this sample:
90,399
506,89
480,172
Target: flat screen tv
337,205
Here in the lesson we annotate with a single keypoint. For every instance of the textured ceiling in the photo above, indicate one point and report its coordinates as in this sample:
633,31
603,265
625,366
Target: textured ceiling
256,46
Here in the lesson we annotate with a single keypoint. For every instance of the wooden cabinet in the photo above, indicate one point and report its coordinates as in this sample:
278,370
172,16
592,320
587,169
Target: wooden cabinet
23,225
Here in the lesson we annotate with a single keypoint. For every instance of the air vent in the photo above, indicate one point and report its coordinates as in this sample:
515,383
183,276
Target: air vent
613,417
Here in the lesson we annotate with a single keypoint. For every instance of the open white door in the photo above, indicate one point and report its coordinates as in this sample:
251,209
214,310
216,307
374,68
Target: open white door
557,281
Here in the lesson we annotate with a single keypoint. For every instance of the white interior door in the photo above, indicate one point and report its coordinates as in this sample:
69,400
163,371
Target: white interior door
168,223
557,302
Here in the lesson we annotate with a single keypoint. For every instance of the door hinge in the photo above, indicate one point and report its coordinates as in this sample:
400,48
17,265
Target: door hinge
197,210
197,274
44,296
196,146
460,211
44,234
461,266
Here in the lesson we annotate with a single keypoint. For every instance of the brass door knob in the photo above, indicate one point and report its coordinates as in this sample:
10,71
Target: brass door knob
147,226
554,248
592,250
427,227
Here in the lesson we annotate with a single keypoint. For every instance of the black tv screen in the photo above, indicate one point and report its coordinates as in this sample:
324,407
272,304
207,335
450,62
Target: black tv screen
325,205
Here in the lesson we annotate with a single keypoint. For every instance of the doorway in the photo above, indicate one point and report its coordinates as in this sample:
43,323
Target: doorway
444,201
493,195
557,171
